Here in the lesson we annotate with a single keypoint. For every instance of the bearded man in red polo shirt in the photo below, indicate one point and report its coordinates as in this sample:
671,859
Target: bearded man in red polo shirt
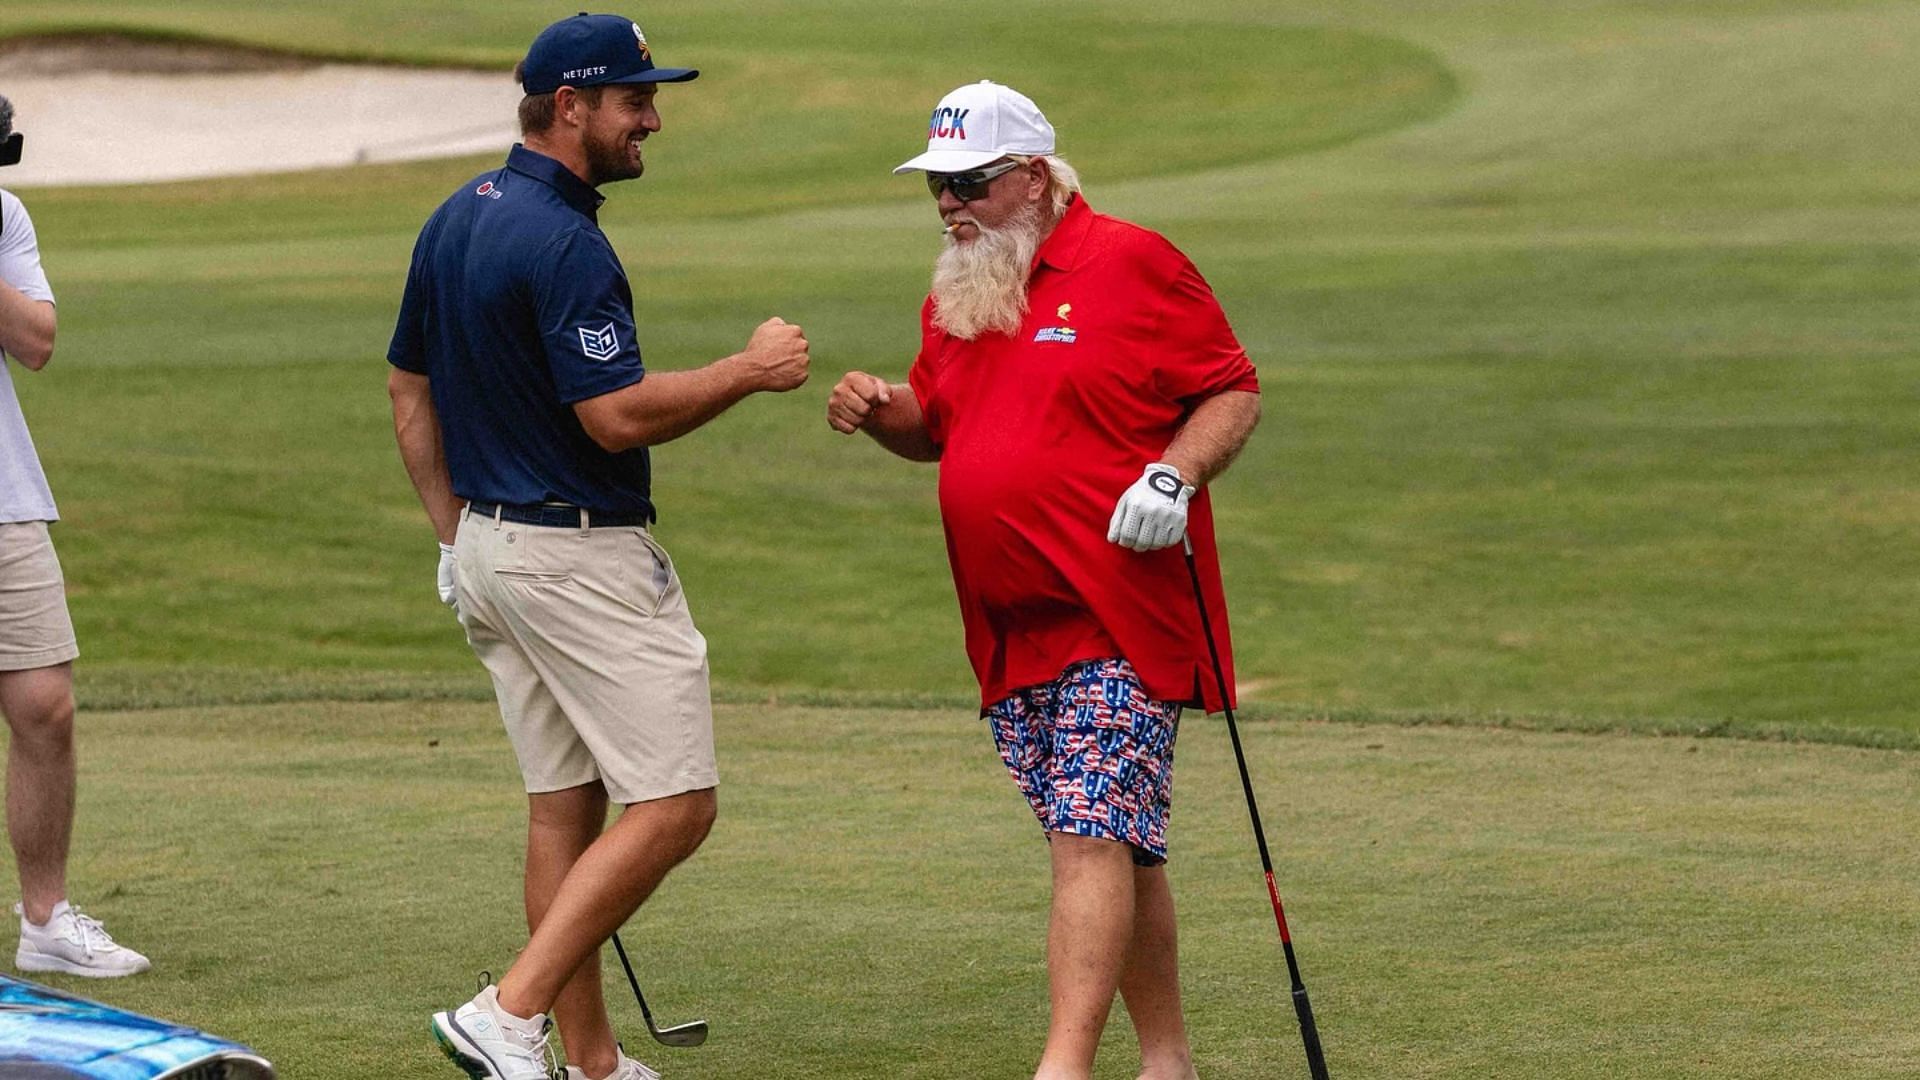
1079,386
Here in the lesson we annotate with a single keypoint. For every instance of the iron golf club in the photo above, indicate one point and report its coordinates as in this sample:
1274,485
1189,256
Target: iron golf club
1309,1034
691,1033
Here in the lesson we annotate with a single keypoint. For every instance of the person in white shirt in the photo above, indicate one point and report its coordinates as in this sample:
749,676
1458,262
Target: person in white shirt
37,644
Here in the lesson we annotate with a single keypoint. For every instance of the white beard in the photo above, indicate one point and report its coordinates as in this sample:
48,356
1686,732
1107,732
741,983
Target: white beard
981,286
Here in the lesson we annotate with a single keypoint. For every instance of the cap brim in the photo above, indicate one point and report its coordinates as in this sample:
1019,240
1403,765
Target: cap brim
652,75
944,161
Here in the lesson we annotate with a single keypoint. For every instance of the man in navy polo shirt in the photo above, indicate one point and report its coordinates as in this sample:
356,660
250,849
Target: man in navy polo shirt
523,414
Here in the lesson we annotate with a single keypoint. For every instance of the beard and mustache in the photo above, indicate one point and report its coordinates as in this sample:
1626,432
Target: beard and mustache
611,158
980,286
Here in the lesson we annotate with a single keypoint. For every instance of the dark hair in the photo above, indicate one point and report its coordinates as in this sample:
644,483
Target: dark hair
537,111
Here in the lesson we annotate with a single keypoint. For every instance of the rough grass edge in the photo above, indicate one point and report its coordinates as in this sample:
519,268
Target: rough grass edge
131,690
470,59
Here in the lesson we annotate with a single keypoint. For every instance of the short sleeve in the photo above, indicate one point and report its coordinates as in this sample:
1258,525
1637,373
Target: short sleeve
1196,353
584,308
924,377
20,251
408,351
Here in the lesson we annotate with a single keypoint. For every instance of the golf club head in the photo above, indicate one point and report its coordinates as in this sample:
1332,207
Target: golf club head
691,1033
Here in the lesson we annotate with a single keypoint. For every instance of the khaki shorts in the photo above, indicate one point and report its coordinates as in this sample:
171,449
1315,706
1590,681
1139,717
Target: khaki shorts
35,630
595,660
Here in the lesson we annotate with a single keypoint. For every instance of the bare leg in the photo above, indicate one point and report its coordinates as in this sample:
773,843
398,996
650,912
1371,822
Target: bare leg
561,825
38,704
1087,938
604,887
1150,982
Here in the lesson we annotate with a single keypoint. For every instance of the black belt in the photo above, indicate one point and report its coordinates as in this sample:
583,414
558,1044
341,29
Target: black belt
558,516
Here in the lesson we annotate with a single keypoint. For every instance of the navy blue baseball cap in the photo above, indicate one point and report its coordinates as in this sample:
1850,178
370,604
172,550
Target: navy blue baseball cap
593,50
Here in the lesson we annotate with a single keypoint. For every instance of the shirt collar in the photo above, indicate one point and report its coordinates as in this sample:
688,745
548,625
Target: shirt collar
577,192
1061,249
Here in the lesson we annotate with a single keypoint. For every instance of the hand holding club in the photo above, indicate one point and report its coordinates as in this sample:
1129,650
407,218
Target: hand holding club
1152,514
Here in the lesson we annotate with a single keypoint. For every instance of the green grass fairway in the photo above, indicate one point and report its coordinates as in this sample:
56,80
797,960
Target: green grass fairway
1586,334
317,878
1588,342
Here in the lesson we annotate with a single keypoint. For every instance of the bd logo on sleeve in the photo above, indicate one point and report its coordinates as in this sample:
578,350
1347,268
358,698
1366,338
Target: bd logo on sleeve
602,344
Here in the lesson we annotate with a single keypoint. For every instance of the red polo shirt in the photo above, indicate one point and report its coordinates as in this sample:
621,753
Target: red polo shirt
1040,433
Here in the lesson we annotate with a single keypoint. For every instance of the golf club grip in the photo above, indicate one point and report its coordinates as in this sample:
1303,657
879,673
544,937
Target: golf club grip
1309,1034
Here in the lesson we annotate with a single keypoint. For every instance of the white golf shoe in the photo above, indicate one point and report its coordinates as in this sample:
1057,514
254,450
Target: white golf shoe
491,1044
628,1069
75,944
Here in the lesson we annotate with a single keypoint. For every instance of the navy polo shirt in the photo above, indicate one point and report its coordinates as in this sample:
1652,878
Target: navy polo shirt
516,308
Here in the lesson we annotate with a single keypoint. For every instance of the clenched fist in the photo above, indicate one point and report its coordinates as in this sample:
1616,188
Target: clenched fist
854,399
776,356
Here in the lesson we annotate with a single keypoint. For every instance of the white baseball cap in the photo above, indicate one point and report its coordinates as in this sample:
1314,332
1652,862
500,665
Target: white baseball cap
979,123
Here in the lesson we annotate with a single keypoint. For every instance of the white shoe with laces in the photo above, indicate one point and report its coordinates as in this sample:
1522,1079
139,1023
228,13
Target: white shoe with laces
628,1069
73,943
493,1044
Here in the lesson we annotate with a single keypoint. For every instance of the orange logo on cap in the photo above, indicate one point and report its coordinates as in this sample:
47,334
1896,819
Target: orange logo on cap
642,39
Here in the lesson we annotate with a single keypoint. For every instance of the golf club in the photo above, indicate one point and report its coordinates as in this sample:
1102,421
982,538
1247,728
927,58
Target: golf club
1309,1034
691,1033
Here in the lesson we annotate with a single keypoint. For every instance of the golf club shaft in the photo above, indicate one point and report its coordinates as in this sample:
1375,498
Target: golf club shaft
691,1033
645,1012
1309,1031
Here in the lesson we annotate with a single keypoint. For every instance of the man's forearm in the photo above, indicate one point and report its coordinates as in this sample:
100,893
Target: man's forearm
1213,436
26,327
665,405
416,428
900,426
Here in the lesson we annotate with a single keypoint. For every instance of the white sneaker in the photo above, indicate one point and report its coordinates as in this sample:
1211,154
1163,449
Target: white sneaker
491,1044
73,943
628,1069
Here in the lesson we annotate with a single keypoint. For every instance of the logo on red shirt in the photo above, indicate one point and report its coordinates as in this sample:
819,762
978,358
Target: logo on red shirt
1065,335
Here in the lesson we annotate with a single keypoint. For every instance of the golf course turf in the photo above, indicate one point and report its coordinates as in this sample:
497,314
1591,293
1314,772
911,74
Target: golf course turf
1586,340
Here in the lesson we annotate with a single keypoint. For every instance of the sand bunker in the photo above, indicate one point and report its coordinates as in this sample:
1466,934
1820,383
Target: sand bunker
109,110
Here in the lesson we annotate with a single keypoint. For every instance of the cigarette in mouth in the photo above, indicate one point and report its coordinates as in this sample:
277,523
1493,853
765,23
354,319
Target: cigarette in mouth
948,231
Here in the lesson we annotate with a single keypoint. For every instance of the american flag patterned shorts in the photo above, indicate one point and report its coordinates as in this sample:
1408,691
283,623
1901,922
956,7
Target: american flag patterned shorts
1093,754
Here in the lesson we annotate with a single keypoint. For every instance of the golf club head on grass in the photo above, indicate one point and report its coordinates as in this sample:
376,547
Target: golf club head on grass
691,1033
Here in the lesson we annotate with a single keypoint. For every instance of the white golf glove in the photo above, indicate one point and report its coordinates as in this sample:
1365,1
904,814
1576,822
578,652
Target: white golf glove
449,594
1152,514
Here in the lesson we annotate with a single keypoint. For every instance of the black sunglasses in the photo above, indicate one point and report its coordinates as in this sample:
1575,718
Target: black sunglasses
971,185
